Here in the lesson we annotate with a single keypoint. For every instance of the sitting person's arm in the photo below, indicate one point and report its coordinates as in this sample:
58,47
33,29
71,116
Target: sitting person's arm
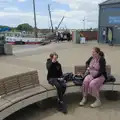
102,69
48,63
88,62
60,70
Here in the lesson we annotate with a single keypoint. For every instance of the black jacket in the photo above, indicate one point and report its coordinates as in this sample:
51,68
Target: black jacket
54,69
102,70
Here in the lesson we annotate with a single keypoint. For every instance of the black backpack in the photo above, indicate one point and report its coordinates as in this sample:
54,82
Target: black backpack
68,76
110,78
78,80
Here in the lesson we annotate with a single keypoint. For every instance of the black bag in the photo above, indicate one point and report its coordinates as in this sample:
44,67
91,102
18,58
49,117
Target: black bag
78,80
110,78
60,80
68,77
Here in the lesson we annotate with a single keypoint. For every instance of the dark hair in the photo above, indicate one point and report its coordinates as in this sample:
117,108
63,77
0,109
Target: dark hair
55,54
52,54
97,50
102,54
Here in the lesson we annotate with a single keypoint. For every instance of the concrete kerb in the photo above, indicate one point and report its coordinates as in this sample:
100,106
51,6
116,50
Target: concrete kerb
37,97
12,106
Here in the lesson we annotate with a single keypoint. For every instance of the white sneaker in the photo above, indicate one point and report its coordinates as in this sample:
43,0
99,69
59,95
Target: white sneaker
83,101
97,103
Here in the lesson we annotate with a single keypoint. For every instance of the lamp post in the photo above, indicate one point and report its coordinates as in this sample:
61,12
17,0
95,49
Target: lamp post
50,17
34,10
84,21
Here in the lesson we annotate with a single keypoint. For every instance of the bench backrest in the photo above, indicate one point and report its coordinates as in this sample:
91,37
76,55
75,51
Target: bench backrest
17,83
82,69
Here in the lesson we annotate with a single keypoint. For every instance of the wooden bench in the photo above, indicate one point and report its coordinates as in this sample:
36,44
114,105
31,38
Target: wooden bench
17,83
82,69
24,89
19,91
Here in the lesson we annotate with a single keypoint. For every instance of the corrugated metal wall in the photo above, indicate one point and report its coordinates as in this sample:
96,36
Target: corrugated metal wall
90,35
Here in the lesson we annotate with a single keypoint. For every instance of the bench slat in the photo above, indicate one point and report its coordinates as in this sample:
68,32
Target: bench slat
13,84
82,69
2,89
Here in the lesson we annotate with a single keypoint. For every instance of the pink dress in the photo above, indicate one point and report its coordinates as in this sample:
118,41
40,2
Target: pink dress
91,85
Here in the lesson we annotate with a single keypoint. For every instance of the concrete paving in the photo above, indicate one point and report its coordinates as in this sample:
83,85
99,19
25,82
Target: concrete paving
26,58
108,111
69,56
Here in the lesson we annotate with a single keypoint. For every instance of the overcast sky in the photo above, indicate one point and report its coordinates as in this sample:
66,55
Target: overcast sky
14,12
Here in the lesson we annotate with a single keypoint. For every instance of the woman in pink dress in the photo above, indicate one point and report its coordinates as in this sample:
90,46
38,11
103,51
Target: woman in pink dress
96,66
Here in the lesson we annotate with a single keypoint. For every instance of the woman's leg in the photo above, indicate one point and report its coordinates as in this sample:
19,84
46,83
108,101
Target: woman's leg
94,89
86,83
85,89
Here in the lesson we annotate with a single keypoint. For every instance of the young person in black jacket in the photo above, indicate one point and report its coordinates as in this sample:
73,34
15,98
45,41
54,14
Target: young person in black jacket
54,78
96,65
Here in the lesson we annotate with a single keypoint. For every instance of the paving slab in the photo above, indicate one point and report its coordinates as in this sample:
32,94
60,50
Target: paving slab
25,94
8,70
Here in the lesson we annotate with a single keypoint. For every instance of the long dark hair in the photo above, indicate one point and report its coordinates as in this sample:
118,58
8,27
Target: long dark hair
101,53
97,50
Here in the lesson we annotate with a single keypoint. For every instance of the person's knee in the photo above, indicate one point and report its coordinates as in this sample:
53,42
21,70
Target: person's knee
86,81
59,87
51,82
64,88
92,84
64,85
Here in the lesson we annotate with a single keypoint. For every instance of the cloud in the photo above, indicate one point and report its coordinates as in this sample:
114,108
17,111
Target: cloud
7,5
16,18
4,3
21,0
78,4
73,18
79,10
15,9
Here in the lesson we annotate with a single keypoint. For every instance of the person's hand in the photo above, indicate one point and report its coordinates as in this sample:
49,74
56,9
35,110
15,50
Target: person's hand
88,68
80,74
54,59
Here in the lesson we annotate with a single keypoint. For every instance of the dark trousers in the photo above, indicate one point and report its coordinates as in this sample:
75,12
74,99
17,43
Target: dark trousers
57,39
111,43
104,39
60,86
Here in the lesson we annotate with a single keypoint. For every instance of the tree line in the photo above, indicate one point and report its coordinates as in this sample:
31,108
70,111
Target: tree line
21,27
